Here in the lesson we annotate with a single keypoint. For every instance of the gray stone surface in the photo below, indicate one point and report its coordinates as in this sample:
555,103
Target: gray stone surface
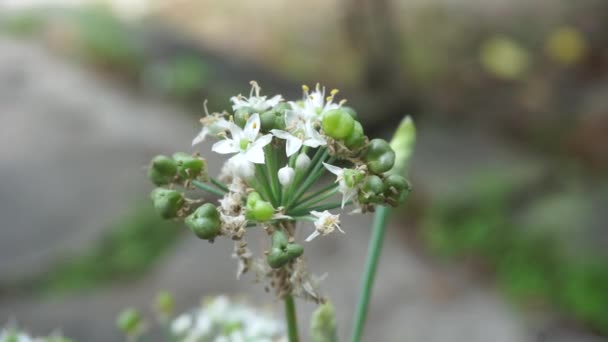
72,151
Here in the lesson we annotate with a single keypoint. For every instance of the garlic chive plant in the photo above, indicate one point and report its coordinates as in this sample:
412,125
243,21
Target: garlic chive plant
279,151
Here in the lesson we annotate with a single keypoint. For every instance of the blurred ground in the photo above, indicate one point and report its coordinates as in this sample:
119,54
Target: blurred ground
63,184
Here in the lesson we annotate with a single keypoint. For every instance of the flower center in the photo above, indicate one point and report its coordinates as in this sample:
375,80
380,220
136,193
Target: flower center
244,144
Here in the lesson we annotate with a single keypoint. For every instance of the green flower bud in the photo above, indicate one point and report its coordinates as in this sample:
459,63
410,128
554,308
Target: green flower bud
379,156
164,303
268,120
162,170
323,325
357,138
190,167
281,251
258,209
129,321
242,115
167,202
204,221
338,124
403,145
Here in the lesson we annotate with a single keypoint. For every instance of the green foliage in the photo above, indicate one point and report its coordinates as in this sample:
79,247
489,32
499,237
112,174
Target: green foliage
531,267
104,40
129,249
23,24
323,325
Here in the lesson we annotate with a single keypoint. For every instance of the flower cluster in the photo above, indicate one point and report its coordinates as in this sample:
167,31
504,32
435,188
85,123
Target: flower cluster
220,319
278,153
15,335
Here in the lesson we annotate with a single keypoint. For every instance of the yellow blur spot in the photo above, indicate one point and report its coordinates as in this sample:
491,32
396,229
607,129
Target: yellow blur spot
504,58
566,46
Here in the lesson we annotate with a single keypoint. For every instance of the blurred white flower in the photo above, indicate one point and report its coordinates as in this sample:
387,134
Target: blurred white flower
325,224
346,186
256,102
220,319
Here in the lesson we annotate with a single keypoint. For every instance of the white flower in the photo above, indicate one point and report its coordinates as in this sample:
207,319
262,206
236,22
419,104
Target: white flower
286,175
256,102
346,179
212,124
325,223
304,134
249,148
302,162
181,324
315,104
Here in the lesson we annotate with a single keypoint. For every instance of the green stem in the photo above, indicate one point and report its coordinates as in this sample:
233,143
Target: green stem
302,205
207,188
305,200
327,206
313,176
219,184
290,315
371,264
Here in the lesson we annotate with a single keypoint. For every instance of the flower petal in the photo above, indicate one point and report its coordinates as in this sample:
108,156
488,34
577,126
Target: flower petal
252,127
313,235
334,169
261,141
292,146
224,147
255,155
200,137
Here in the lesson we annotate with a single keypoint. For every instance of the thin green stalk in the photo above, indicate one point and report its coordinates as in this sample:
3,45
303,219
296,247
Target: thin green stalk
290,316
207,188
313,176
328,206
301,173
315,200
371,264
219,184
264,183
272,169
331,186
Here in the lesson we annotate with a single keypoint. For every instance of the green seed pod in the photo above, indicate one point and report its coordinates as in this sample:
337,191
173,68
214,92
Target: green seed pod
279,122
281,251
204,221
373,184
337,123
162,170
190,167
379,156
242,115
258,209
357,137
129,321
167,202
396,188
351,112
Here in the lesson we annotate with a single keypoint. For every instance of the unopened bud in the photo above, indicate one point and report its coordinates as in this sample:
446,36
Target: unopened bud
286,175
302,162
